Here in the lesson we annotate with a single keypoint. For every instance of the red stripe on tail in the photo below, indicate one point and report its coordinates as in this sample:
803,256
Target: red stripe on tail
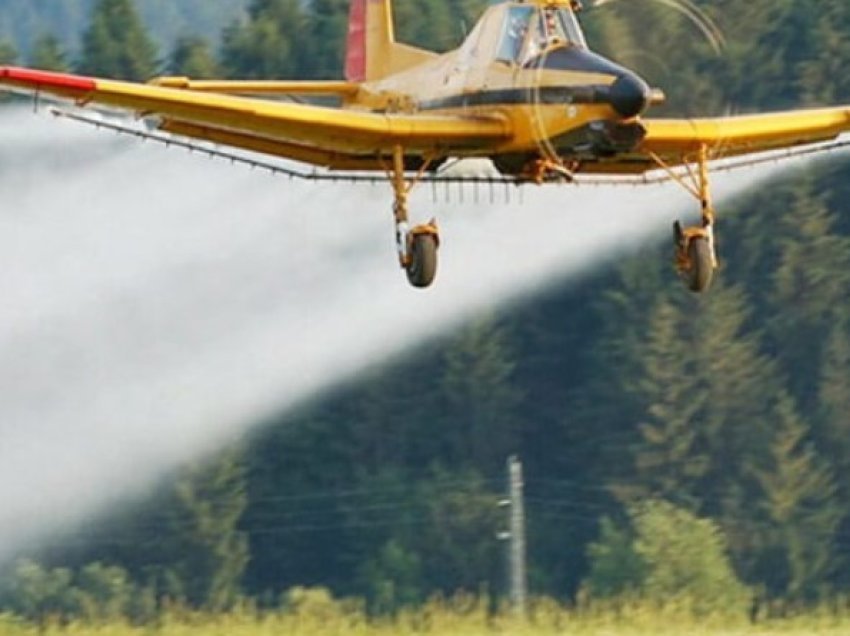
355,58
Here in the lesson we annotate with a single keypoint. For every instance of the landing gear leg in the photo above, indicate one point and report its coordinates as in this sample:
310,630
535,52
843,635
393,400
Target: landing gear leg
417,247
696,258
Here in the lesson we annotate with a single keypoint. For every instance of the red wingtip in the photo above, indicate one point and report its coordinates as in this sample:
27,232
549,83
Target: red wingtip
34,78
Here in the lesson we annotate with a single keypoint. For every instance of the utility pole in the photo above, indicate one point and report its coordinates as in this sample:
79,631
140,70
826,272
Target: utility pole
516,537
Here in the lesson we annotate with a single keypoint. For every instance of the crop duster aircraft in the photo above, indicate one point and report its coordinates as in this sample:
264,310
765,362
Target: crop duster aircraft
523,90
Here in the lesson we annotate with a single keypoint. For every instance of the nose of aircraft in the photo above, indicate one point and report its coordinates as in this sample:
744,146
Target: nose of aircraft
629,95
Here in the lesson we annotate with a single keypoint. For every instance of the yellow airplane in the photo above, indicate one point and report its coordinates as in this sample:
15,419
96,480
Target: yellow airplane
523,90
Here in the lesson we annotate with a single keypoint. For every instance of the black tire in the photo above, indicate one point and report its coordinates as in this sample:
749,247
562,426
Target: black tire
423,260
698,277
678,234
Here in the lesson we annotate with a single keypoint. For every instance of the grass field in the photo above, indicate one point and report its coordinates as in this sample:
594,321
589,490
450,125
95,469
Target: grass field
226,627
454,618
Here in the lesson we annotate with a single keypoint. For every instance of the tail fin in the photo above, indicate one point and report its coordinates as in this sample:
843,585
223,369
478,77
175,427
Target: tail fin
372,50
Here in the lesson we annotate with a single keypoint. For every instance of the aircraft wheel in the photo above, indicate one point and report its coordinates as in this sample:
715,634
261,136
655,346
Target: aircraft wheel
698,276
423,260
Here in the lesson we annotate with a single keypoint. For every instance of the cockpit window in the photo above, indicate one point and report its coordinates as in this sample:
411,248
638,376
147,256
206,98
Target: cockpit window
514,33
571,28
555,27
527,32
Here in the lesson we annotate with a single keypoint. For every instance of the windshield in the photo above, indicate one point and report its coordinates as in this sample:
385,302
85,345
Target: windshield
514,33
548,27
556,27
570,28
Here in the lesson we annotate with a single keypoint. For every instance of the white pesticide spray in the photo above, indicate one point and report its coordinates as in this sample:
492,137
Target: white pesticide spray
155,304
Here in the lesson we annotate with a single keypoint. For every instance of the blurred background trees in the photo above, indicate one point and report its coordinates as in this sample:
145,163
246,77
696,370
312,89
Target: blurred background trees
647,418
116,44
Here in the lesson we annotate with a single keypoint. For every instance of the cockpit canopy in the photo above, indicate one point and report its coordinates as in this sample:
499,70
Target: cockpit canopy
528,30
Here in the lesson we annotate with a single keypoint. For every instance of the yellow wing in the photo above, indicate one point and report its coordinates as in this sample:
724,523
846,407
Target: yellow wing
675,140
327,136
678,141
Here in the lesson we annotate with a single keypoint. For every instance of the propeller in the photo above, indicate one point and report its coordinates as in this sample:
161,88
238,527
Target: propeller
693,13
628,95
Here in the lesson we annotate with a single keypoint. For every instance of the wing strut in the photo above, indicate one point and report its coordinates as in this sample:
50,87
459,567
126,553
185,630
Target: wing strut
696,257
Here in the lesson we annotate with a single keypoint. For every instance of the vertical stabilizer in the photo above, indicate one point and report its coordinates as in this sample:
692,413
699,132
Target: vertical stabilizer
372,52
370,40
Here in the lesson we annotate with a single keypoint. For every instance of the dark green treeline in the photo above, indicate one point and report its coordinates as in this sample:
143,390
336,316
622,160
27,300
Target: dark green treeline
23,22
615,391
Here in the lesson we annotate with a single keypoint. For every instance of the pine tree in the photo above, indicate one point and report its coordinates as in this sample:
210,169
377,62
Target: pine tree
270,45
379,438
393,578
169,20
295,468
834,399
47,54
737,376
697,381
8,54
774,38
455,533
328,28
481,400
810,287
193,58
675,395
208,551
116,44
833,424
822,75
799,504
432,24
605,396
615,567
